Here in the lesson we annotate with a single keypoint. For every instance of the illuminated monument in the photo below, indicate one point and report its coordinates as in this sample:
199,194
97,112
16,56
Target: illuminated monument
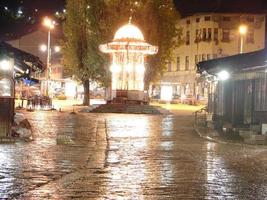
128,50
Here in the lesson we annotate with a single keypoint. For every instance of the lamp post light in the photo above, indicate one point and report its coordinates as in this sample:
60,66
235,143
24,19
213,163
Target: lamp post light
243,29
50,24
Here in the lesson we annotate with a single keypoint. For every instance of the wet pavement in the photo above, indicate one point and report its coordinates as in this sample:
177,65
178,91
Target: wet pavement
117,156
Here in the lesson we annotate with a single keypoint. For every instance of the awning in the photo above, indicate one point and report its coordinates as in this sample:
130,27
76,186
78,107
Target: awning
23,60
235,63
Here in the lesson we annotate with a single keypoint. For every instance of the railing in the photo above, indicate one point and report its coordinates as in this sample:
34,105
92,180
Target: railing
200,117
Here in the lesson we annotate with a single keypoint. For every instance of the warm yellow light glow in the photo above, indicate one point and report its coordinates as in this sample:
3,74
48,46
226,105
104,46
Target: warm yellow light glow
49,23
243,29
129,68
140,69
43,47
166,93
5,65
57,49
114,68
129,31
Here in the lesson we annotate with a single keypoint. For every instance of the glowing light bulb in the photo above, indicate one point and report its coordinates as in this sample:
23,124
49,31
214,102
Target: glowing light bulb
140,68
114,68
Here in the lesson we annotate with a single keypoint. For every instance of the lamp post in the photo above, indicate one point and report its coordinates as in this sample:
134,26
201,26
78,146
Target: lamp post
242,31
50,25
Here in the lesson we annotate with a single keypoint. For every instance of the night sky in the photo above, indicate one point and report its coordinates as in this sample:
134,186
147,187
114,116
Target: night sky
187,7
28,13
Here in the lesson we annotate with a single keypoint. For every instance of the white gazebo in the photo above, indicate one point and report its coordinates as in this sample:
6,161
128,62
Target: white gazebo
128,50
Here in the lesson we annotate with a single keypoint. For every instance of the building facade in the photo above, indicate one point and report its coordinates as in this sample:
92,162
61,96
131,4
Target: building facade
204,37
36,44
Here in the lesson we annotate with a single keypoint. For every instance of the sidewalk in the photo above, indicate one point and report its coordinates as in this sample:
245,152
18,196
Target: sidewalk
213,136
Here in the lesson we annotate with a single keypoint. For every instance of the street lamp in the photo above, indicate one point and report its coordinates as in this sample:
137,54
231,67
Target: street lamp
43,47
223,75
243,29
50,24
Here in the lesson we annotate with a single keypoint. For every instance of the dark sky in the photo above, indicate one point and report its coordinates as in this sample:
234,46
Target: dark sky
184,6
32,18
43,5
187,7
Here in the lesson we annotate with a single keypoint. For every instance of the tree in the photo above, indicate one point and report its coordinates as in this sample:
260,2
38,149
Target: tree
157,19
82,32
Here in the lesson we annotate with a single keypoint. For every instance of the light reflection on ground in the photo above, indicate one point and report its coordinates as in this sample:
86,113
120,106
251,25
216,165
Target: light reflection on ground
147,157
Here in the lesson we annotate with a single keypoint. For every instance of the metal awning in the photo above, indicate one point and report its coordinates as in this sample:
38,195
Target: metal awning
23,61
236,63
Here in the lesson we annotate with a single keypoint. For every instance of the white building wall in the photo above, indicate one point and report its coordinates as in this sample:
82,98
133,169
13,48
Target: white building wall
182,78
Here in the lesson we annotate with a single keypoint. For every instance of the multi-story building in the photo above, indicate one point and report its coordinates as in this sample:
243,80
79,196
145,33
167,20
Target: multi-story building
207,36
36,43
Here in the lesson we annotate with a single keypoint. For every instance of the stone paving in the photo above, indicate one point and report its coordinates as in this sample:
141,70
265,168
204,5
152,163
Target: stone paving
119,156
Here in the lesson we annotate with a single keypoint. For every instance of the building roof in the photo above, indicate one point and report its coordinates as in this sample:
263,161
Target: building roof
236,63
23,60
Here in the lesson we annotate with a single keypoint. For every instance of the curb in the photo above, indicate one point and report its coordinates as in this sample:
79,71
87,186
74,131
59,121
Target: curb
211,139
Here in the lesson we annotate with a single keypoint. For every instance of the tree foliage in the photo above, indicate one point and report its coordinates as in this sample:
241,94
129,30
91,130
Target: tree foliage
92,22
83,35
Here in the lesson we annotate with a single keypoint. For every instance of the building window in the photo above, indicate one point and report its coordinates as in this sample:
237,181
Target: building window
197,19
187,63
203,57
209,34
178,64
188,21
226,35
204,34
226,19
196,59
207,18
215,56
199,58
169,66
198,35
250,19
187,40
208,56
250,36
216,34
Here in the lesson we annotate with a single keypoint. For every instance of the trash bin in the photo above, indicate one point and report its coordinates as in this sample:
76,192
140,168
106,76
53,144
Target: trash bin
7,99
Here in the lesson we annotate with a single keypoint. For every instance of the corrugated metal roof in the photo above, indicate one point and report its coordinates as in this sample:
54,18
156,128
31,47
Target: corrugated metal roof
234,63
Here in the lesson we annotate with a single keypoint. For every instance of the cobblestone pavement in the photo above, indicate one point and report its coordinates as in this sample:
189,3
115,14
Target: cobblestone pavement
142,157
